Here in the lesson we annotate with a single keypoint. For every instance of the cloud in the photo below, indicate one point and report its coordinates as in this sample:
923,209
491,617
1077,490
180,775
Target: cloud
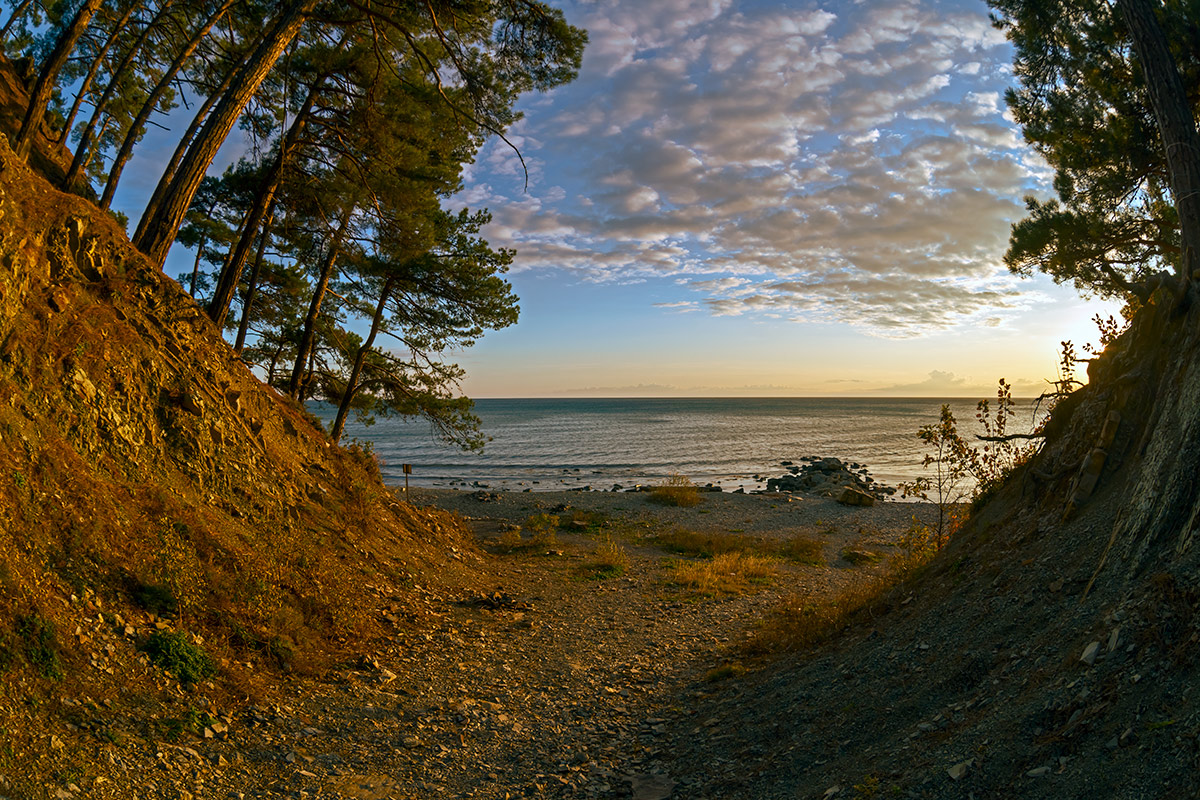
780,160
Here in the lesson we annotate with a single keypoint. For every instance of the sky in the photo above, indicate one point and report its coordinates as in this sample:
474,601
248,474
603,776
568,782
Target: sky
759,197
762,198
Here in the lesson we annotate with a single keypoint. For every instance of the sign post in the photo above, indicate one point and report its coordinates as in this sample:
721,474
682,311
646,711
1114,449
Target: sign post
407,472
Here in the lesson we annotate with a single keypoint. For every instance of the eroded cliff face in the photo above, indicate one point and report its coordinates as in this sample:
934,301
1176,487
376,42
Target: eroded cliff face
147,474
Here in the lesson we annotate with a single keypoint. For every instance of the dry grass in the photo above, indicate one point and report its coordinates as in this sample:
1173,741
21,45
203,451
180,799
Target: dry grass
803,550
727,573
801,622
609,561
706,544
676,490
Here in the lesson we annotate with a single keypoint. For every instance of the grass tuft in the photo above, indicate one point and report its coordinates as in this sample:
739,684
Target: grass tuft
804,550
727,573
610,560
676,490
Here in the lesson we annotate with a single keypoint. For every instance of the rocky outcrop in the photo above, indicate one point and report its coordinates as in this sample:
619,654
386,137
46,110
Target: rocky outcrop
849,483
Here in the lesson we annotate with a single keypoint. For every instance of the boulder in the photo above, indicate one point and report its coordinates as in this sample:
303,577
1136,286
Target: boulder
853,497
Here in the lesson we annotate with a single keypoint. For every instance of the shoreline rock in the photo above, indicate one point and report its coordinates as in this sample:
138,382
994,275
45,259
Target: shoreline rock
848,483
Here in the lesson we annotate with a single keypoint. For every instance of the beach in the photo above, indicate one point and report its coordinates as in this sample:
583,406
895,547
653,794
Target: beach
769,515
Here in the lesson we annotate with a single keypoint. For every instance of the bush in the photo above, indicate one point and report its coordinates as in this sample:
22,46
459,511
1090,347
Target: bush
676,490
172,651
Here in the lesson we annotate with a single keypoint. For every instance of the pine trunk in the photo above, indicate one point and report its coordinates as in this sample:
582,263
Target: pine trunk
1175,123
159,229
48,75
305,348
97,62
18,12
231,271
83,149
360,358
139,123
252,286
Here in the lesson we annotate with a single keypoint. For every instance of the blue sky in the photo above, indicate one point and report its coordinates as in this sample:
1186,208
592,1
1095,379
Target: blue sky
759,197
777,198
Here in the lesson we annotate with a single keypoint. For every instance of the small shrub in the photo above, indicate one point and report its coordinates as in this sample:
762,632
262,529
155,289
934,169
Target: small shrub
727,573
803,550
676,490
40,645
156,598
172,651
725,672
611,560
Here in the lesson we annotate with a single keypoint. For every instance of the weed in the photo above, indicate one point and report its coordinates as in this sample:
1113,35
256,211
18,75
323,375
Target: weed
803,550
676,490
172,651
725,672
802,622
611,560
156,598
868,789
40,645
727,573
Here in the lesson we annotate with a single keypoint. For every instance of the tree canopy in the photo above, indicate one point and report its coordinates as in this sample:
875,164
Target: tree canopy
359,118
1083,105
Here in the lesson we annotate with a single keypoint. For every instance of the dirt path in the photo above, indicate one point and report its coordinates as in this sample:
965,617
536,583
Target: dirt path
540,680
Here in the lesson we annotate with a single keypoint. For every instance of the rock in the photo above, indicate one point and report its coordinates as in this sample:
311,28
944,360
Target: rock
959,770
1114,638
60,300
651,787
854,497
1038,772
192,403
1089,653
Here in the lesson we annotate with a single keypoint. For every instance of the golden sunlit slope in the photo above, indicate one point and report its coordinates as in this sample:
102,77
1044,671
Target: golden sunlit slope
145,474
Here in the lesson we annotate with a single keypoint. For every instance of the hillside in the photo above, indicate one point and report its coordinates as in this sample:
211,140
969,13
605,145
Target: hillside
152,485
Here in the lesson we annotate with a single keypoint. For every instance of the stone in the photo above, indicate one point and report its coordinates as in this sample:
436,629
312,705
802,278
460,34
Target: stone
192,403
1089,653
651,787
1038,772
853,497
960,770
60,300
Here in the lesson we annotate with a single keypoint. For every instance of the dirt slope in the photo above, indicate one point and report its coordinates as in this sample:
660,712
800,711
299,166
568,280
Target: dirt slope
150,485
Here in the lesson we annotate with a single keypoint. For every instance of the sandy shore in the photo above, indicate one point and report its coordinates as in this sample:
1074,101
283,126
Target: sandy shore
758,514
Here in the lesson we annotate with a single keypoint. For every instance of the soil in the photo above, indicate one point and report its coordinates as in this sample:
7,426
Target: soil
522,674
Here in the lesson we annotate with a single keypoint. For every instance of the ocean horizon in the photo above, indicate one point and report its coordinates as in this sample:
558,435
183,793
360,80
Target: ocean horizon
602,444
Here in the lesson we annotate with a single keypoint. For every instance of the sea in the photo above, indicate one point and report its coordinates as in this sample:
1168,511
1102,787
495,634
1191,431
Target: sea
606,444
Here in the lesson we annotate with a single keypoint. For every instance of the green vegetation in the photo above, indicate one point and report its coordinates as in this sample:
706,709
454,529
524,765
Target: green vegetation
39,645
174,652
1084,106
609,560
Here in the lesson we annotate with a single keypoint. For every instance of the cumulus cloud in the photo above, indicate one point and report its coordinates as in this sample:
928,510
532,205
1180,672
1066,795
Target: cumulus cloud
791,160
